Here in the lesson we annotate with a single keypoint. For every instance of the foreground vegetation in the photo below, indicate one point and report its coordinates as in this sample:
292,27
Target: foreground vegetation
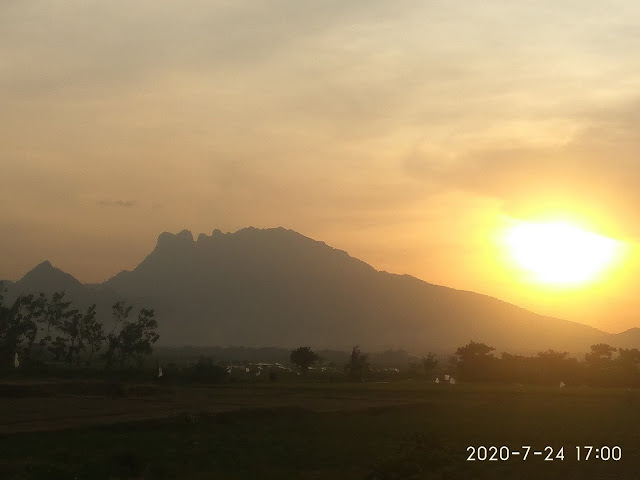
36,330
604,366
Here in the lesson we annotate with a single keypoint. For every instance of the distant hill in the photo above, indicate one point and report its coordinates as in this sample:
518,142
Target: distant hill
276,287
46,278
627,339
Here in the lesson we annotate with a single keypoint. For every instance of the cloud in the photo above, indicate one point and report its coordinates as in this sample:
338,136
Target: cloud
117,203
297,113
594,176
79,48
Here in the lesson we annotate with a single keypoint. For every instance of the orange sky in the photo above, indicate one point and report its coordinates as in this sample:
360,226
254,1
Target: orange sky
406,133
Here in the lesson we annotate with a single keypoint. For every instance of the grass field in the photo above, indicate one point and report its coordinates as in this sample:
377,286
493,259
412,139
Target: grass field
400,430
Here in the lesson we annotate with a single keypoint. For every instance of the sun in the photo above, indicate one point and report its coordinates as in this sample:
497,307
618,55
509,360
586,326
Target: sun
560,253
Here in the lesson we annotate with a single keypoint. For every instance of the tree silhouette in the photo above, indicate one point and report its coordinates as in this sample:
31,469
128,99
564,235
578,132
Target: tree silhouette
130,341
18,326
28,326
474,351
358,366
600,355
552,367
476,361
429,362
630,362
91,333
79,334
303,357
54,312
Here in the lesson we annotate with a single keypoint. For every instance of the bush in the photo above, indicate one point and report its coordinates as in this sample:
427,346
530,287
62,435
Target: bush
206,371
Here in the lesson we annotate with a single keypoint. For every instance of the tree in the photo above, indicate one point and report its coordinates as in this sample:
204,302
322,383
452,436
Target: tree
600,355
79,334
11,330
630,361
54,312
18,326
429,362
552,367
204,370
130,341
304,357
358,366
32,318
474,351
114,339
91,333
600,366
67,346
476,361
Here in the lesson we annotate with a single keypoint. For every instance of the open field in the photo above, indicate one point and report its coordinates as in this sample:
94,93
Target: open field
394,430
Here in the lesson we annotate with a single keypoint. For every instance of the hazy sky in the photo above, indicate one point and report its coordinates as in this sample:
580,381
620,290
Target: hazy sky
407,133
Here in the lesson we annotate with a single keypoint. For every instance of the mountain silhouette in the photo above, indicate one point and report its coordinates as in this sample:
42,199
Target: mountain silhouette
46,278
276,287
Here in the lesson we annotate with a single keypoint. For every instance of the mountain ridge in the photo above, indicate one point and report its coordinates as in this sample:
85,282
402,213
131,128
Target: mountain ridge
275,286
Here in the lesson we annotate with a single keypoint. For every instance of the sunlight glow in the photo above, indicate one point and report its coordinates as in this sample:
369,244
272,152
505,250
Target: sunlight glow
560,253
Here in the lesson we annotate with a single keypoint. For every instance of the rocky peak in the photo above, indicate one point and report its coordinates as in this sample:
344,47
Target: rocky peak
185,237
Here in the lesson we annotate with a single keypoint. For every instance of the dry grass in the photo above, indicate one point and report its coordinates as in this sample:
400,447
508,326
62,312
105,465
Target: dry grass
315,431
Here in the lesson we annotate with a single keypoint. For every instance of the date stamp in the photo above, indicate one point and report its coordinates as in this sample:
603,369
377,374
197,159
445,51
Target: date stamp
504,453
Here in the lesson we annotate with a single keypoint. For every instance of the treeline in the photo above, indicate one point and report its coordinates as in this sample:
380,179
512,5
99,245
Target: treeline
189,354
604,365
37,329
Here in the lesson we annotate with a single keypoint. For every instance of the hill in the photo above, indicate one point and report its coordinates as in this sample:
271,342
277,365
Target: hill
276,287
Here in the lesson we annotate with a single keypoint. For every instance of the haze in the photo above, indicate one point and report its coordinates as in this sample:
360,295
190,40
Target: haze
410,134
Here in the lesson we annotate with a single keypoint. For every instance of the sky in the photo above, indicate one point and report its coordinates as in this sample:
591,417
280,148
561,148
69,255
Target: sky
408,133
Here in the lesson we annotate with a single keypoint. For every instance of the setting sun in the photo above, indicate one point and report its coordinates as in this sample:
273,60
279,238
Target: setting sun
560,253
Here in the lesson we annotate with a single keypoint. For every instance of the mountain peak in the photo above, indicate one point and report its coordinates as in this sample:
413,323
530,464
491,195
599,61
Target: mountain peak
45,276
185,237
46,265
203,237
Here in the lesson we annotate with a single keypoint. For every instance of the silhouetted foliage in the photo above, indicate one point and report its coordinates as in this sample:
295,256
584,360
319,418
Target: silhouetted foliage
550,367
54,312
79,334
14,327
599,361
600,355
429,363
20,322
39,328
204,370
629,361
303,358
130,341
91,333
554,367
358,366
475,361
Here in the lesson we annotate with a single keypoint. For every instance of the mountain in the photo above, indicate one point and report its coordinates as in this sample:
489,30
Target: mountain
627,339
47,278
276,287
